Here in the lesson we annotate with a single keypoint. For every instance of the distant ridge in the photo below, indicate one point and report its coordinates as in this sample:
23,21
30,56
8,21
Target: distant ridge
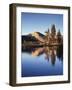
39,36
35,36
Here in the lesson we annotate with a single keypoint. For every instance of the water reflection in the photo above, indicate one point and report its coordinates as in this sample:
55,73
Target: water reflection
42,61
50,52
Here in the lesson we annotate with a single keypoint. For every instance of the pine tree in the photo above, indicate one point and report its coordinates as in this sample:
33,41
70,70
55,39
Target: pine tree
47,35
59,37
53,31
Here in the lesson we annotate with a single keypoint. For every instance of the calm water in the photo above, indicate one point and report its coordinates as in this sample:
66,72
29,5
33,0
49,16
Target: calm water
42,61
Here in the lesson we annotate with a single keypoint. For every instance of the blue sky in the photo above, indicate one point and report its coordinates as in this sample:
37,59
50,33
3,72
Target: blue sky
36,22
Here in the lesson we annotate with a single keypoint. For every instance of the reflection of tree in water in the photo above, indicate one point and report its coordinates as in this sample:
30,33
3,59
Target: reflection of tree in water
53,57
50,52
60,52
46,51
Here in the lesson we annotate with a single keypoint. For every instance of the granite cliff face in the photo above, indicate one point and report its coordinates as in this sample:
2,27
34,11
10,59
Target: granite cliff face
35,36
38,36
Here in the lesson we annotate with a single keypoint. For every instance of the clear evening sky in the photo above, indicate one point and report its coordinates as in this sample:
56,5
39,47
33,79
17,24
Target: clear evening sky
36,22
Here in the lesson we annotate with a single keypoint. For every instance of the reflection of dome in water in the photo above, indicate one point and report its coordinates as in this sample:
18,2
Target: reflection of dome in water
37,52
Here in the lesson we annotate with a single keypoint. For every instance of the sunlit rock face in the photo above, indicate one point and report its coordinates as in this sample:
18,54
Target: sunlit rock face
38,36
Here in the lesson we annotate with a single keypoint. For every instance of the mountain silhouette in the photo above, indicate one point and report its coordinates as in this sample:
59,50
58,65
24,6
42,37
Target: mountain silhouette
35,36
